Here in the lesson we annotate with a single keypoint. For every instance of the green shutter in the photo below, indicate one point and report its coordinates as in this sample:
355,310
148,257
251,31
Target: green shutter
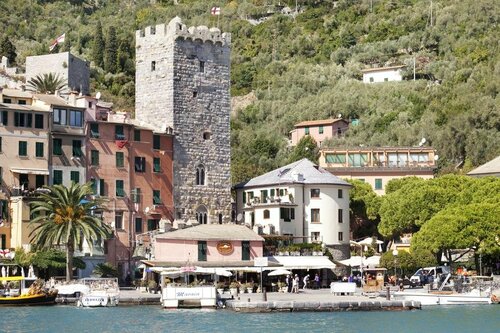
58,177
120,159
94,157
136,195
39,149
156,142
202,251
23,148
102,188
75,177
156,197
137,135
119,188
378,183
245,250
156,164
138,225
119,132
77,148
94,131
57,143
151,225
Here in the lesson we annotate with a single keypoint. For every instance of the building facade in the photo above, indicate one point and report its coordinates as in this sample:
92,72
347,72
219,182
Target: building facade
319,130
378,165
299,200
182,86
383,74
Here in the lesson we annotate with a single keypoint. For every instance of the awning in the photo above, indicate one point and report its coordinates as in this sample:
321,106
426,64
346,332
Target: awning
28,171
302,262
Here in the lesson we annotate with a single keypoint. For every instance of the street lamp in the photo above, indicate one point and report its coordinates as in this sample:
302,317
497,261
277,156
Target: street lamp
395,255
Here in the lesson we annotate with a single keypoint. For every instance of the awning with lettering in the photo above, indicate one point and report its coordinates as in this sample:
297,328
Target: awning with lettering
28,171
302,262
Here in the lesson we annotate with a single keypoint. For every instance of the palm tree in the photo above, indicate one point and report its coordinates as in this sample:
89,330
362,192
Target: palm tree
65,218
46,83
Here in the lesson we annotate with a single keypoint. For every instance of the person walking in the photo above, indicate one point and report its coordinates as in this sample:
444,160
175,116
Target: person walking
289,283
306,281
316,280
295,284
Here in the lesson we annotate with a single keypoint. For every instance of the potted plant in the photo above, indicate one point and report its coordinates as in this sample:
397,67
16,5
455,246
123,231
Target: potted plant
220,287
233,288
142,284
249,287
152,285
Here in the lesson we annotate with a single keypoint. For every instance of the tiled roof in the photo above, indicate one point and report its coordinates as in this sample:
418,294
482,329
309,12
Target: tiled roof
367,70
311,174
52,100
213,232
318,122
490,168
16,93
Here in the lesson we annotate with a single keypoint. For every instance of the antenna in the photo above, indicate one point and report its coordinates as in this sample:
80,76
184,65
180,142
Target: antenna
339,115
98,95
422,142
436,157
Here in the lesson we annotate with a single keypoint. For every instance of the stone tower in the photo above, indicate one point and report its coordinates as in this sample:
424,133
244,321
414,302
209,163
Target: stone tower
182,85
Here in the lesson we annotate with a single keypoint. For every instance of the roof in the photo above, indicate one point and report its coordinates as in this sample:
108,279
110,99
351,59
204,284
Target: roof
53,100
16,93
491,168
21,107
244,265
318,122
303,262
377,69
213,232
311,174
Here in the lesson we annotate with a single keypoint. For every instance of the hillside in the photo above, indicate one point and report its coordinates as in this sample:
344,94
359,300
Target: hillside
308,66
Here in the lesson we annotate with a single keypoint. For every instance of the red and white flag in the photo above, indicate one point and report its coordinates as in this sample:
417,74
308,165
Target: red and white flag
58,41
215,11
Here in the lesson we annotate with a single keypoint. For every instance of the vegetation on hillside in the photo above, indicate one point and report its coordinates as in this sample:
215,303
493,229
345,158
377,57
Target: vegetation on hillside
306,66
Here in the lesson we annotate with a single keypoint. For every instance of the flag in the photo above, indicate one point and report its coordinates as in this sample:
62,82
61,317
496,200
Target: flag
215,11
58,41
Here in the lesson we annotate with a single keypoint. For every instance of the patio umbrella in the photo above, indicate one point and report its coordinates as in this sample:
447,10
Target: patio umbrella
354,261
372,261
223,272
279,271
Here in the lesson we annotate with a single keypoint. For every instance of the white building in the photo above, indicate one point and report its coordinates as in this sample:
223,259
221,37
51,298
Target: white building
383,74
300,200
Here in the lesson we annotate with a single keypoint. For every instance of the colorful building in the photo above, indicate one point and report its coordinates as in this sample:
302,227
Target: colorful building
319,130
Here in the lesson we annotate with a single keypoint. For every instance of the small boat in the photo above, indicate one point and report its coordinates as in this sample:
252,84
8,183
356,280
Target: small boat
20,290
91,292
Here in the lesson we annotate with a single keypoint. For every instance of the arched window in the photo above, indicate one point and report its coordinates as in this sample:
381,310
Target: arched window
266,213
220,218
200,175
202,215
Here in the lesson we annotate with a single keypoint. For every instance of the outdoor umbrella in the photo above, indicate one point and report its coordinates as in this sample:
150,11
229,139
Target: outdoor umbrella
279,271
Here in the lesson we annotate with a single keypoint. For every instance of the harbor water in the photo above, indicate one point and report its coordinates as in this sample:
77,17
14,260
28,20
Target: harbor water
479,318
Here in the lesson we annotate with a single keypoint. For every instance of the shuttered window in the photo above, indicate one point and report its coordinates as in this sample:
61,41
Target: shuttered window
245,250
202,251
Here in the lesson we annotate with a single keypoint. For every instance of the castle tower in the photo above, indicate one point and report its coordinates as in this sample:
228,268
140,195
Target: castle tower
182,85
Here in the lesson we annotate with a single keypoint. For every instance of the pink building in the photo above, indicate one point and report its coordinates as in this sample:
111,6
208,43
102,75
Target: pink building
319,130
207,245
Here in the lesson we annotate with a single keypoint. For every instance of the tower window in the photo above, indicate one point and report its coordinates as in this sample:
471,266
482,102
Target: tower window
195,93
200,175
207,135
153,66
202,66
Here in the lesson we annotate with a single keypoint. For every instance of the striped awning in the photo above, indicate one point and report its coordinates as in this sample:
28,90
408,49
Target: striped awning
28,171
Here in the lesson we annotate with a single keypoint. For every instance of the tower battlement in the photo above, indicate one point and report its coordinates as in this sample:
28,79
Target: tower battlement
176,29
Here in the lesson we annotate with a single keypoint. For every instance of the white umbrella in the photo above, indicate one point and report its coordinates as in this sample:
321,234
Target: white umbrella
372,261
3,275
369,241
31,272
223,272
354,261
279,271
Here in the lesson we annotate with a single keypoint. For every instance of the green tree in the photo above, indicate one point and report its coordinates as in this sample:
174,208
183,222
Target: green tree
66,47
98,46
364,206
65,218
111,51
305,148
105,270
8,50
46,83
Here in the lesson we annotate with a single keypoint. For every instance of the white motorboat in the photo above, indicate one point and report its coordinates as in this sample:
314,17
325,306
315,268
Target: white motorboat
92,292
445,298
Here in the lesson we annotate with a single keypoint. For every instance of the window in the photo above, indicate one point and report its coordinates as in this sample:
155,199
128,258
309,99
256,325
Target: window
120,192
287,214
340,193
315,193
156,142
202,251
207,135
90,105
39,149
315,236
120,159
39,181
94,157
137,135
341,216
21,102
4,118
119,132
321,129
306,130
153,66
57,149
94,130
362,180
195,93
140,164
102,187
335,158
371,79
75,177
0,144
266,214
378,183
202,66
341,236
59,116
245,250
138,225
7,101
152,224
386,79
200,175
156,164
315,215
156,197
23,148
77,148
22,119
57,177
358,160
263,196
136,195
38,120
75,118
118,220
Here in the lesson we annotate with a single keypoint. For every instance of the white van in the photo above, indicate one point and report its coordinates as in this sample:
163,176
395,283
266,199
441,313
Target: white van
428,275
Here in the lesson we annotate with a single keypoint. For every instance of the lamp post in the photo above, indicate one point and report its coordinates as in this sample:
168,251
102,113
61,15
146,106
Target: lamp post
395,254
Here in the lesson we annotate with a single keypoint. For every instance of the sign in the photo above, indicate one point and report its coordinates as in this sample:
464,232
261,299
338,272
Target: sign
260,262
225,247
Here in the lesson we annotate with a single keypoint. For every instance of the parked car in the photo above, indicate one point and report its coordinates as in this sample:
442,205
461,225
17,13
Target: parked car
427,275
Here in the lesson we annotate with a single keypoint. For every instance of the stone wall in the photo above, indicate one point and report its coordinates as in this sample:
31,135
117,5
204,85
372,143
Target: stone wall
182,82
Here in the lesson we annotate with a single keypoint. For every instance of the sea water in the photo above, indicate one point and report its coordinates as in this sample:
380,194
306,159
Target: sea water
480,318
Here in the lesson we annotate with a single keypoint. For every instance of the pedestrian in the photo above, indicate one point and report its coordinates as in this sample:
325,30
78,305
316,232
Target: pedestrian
306,281
288,283
295,284
316,280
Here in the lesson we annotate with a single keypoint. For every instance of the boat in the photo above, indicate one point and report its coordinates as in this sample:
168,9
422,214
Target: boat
91,292
18,290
